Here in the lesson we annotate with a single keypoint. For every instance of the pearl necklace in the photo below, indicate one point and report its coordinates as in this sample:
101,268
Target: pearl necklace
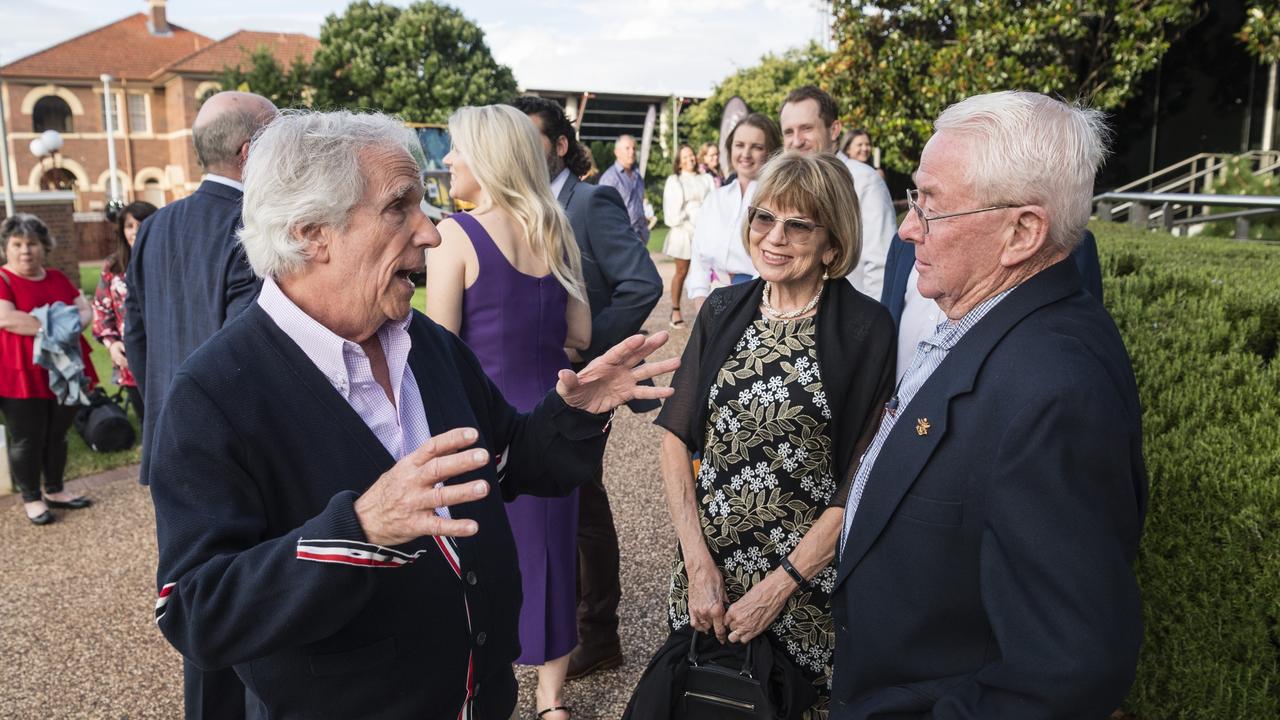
790,314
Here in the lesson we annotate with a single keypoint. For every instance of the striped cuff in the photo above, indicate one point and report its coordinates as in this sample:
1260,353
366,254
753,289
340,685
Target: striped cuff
163,599
352,552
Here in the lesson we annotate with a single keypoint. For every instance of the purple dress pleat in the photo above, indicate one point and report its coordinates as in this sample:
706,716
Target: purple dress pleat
515,324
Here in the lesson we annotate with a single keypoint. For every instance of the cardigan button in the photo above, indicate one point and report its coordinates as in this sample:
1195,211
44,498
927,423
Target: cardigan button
471,577
480,638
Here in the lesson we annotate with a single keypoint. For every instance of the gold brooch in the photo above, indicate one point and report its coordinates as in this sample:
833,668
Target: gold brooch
922,426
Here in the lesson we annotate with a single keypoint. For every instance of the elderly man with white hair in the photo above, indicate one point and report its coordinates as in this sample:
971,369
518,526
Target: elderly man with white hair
985,567
322,469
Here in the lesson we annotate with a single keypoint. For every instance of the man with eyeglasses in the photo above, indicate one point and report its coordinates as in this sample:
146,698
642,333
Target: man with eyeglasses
809,124
985,563
916,316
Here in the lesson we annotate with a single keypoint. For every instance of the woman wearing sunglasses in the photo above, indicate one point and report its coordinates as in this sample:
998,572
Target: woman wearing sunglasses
779,388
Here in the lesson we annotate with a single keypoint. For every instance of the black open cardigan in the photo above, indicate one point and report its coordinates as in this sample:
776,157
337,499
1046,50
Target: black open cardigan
856,354
256,464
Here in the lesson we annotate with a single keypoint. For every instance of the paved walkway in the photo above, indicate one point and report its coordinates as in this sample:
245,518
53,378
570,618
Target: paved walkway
77,631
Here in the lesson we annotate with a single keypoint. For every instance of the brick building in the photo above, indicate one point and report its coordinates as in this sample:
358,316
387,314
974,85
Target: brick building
161,73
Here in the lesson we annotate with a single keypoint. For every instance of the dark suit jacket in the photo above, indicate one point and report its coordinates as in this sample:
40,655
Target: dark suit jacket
988,573
256,465
622,283
187,277
902,257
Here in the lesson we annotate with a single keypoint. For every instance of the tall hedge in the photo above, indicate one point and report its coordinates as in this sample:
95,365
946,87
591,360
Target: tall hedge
1201,320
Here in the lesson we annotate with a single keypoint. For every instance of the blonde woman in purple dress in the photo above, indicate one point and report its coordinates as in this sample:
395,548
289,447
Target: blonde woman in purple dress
507,279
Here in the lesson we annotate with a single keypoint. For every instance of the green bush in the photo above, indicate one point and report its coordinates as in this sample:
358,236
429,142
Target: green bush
1200,318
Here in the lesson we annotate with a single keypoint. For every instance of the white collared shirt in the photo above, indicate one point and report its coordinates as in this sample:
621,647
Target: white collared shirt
558,183
920,317
223,180
717,239
879,222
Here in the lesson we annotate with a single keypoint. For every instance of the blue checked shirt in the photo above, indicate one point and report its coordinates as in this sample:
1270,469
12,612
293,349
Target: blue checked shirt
929,355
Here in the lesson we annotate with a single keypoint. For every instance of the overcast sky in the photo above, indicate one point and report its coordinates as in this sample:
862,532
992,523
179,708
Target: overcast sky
644,46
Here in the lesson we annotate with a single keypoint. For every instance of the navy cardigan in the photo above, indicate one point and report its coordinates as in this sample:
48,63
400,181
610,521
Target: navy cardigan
263,565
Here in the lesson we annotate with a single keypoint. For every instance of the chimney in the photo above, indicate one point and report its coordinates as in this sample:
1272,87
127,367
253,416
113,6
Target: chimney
156,21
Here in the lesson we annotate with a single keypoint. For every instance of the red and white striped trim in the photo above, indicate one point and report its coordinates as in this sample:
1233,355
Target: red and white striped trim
352,552
163,599
450,552
501,469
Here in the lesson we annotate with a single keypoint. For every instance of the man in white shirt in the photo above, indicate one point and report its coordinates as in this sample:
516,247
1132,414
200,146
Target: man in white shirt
809,124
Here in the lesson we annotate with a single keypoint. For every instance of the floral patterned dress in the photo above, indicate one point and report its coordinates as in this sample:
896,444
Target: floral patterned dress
765,477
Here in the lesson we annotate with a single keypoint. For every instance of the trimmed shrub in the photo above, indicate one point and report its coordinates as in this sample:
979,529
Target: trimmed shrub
1201,318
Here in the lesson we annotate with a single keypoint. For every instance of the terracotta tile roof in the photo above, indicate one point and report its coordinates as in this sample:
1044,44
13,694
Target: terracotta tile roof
125,48
236,48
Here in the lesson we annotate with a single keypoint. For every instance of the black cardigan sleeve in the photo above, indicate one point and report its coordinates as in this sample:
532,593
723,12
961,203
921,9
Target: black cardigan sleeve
680,412
549,451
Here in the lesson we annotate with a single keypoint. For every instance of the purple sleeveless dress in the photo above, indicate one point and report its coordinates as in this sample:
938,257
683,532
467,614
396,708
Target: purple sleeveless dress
515,324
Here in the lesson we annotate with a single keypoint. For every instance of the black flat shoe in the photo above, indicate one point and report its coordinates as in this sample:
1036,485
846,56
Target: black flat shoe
79,503
43,518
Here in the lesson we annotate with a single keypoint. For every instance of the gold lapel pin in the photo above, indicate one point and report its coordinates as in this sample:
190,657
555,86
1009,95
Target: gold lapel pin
922,426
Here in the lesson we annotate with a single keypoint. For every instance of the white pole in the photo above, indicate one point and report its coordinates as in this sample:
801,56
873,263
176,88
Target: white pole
4,160
107,107
1269,115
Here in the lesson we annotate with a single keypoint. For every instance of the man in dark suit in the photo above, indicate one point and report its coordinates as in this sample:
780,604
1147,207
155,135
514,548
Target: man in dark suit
985,567
188,277
917,316
323,466
622,287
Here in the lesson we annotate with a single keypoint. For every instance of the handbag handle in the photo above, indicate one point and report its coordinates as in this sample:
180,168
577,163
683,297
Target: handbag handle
746,670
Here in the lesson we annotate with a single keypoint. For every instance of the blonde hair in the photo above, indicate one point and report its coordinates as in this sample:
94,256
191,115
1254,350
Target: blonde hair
504,152
818,186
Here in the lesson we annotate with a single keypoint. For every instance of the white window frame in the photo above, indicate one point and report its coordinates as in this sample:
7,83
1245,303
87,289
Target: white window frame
146,113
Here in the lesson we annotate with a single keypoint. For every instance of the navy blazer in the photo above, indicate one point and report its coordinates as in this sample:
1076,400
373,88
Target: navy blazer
902,257
187,277
622,283
988,570
264,565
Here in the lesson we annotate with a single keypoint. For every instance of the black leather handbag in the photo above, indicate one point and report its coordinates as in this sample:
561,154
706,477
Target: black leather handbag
716,690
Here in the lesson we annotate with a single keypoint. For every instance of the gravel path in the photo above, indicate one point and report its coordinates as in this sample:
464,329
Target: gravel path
77,635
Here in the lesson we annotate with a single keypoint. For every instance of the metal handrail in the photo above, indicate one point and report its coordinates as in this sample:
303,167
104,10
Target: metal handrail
1165,171
1154,198
1140,207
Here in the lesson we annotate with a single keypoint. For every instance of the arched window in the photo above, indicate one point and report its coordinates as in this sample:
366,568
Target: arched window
51,113
58,179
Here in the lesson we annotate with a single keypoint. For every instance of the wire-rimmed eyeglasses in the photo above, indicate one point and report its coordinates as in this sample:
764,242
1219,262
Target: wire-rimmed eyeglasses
913,203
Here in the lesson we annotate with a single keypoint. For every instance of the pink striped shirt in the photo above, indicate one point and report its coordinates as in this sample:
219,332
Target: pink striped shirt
401,426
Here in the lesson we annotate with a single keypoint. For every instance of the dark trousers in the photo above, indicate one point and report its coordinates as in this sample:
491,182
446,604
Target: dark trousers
599,587
37,443
135,400
212,694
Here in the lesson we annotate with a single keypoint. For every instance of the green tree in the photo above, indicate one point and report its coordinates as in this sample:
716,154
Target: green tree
899,63
261,73
1261,31
420,62
762,87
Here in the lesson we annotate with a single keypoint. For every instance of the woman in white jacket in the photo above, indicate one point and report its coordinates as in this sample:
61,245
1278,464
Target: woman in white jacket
681,201
718,257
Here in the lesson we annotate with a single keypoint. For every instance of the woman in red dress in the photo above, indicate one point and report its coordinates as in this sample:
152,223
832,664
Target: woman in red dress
37,423
108,300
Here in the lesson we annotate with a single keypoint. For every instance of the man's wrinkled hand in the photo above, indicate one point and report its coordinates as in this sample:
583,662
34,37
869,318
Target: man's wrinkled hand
401,505
614,378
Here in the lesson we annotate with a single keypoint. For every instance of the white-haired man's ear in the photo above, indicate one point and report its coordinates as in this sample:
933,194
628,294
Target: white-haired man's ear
1028,238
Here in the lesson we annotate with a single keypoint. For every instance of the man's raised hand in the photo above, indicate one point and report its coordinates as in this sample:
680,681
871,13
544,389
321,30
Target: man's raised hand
401,505
613,378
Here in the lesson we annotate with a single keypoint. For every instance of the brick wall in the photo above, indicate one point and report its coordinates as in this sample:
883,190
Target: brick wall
56,209
95,237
